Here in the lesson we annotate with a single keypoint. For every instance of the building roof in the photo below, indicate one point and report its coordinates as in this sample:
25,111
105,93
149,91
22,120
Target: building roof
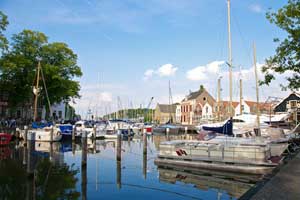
166,108
295,93
226,103
262,105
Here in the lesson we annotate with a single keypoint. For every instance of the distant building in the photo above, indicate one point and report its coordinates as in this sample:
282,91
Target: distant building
60,111
178,113
165,113
290,104
250,107
196,106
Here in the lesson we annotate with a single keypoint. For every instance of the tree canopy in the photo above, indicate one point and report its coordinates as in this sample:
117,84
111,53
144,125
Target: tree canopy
287,57
3,25
18,69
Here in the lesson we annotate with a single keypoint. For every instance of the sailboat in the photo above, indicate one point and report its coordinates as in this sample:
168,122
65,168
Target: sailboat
169,127
42,133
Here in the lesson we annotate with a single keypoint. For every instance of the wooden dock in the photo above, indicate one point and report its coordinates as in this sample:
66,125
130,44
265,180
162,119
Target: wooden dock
283,185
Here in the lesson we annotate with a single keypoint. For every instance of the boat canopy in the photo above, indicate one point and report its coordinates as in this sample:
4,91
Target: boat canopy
226,129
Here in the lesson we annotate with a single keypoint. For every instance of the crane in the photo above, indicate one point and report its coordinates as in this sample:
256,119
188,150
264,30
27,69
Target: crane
149,104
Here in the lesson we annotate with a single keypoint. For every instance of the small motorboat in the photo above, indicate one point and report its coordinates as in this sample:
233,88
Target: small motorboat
5,138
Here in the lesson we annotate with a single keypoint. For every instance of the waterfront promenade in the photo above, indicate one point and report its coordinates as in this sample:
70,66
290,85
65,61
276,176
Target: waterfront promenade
284,185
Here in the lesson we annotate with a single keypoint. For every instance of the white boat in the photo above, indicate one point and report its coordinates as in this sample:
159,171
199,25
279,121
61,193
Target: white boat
44,134
249,158
83,126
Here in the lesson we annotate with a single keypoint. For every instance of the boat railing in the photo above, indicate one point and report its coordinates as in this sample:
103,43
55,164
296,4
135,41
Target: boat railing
253,153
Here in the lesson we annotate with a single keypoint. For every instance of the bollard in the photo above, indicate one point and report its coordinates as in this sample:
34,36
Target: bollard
119,145
94,131
51,152
84,148
168,130
73,147
73,133
30,149
119,148
25,135
51,133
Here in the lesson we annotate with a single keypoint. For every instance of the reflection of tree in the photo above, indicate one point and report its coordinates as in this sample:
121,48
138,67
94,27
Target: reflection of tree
56,182
12,180
51,181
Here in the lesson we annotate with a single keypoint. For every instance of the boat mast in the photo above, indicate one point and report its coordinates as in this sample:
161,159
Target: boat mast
256,80
229,60
241,92
219,98
36,90
170,101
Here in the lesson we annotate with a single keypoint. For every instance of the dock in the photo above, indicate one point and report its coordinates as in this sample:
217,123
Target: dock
283,185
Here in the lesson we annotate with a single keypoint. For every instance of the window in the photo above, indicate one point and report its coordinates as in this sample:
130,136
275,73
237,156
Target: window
190,108
206,109
204,98
293,104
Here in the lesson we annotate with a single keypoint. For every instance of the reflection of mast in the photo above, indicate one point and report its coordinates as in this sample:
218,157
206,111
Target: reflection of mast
145,155
83,166
118,158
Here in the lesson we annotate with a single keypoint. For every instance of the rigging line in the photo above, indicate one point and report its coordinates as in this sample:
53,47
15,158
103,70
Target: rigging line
149,188
247,50
46,91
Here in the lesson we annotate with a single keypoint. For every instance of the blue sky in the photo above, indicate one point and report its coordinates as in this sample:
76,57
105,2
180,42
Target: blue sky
131,48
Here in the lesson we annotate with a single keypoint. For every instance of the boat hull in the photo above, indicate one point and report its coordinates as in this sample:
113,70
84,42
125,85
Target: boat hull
215,165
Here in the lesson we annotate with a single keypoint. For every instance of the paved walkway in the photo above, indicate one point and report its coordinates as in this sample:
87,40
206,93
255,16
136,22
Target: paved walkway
284,185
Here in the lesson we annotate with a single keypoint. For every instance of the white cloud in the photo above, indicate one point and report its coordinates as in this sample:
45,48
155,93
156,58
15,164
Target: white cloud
256,8
201,73
197,74
148,74
163,71
214,66
167,70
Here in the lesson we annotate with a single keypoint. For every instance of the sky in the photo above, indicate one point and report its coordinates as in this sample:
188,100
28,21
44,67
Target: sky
129,50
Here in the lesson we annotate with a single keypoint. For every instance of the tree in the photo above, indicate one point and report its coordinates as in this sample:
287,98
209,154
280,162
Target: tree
58,64
3,25
287,57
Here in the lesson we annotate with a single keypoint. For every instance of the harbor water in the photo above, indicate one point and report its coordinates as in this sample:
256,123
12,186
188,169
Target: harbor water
94,169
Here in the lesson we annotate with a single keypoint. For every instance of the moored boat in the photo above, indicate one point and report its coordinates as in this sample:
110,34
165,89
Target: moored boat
249,158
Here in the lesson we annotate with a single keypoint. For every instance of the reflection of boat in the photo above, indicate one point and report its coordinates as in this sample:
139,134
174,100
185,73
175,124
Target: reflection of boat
5,152
173,129
232,184
5,138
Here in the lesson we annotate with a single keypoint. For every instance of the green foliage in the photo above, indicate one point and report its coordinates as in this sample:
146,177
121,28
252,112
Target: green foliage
3,25
287,57
58,63
51,182
201,88
135,114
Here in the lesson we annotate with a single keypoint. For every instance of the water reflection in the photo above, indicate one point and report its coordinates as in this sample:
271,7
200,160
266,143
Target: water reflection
33,172
111,169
